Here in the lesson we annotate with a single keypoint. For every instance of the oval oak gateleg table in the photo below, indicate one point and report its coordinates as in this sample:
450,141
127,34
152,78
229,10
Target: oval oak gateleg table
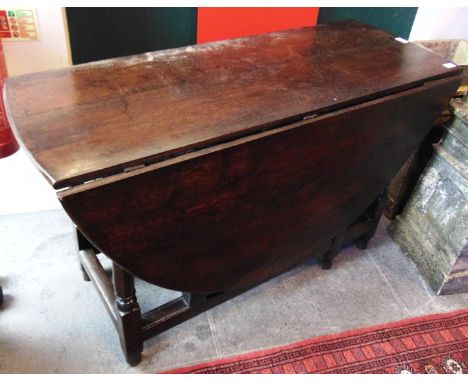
212,168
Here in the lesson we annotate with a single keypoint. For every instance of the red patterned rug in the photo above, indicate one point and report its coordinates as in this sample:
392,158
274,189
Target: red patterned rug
431,344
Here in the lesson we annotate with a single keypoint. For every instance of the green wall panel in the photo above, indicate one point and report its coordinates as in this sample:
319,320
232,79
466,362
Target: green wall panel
397,21
100,33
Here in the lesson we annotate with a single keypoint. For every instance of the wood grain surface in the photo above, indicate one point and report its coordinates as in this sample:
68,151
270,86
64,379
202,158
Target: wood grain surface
98,119
235,214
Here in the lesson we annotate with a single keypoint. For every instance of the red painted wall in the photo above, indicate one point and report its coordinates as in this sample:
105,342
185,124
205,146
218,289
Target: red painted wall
223,23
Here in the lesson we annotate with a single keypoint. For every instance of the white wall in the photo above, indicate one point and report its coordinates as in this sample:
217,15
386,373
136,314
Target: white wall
433,23
22,187
51,51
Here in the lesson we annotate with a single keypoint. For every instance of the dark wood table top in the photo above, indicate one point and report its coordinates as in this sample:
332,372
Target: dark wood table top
98,119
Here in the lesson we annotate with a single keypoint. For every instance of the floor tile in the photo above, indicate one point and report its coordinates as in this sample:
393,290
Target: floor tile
414,293
350,294
306,302
249,321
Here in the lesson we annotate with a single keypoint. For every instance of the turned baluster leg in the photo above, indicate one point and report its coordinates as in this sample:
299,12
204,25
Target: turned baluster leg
326,260
129,323
362,241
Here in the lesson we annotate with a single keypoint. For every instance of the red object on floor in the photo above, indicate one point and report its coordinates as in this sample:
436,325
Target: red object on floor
223,23
430,344
8,144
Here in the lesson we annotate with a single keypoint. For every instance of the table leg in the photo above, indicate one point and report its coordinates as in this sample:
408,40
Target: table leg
83,244
129,322
326,260
376,213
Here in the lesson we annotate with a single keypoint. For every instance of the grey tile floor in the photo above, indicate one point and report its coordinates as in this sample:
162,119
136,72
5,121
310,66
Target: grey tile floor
52,321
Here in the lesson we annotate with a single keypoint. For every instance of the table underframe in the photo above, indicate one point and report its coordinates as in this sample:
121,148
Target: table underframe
134,327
